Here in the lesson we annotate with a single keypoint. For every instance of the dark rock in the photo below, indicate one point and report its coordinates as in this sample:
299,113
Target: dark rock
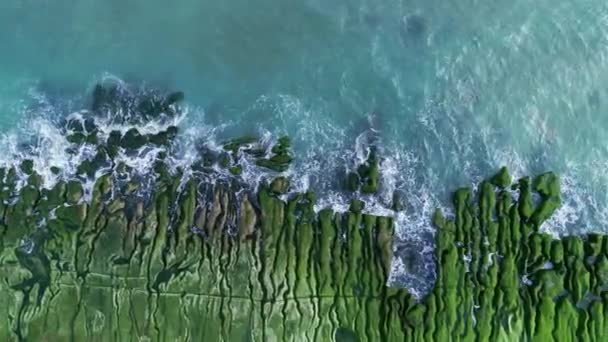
165,137
89,126
77,138
353,181
75,125
113,143
133,139
399,201
414,25
27,166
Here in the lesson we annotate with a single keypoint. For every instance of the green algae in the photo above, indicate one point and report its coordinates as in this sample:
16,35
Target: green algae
502,179
258,284
280,157
236,170
123,270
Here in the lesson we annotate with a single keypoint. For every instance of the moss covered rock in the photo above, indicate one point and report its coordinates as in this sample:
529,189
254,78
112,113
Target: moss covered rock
502,179
279,185
280,158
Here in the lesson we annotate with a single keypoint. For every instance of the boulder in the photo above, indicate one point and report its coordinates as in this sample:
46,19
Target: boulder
27,166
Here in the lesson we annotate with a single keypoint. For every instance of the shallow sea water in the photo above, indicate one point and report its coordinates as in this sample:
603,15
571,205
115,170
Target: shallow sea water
452,90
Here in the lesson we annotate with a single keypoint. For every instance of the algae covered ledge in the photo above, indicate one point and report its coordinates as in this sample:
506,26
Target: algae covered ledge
112,254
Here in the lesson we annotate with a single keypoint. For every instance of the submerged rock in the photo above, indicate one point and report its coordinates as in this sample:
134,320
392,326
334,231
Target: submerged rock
164,137
353,182
132,105
414,25
236,144
174,98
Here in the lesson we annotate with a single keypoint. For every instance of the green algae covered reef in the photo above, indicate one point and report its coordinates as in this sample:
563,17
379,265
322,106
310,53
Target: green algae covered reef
216,267
108,255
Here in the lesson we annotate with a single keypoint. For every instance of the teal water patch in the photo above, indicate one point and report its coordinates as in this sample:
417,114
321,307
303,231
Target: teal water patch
449,91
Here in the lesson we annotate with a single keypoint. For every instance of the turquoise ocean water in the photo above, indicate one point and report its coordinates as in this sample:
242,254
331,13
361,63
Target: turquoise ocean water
449,90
